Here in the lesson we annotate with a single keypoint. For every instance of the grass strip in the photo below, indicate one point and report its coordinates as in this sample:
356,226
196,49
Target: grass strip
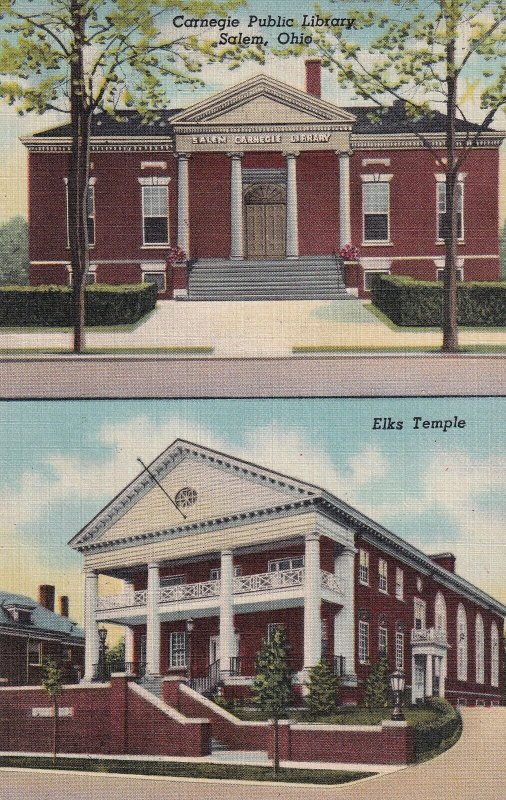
186,769
173,350
405,349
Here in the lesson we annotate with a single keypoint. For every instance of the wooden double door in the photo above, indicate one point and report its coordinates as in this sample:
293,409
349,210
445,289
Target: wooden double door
265,221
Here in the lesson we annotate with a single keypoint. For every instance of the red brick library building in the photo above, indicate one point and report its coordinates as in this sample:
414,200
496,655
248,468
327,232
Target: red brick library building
261,185
243,549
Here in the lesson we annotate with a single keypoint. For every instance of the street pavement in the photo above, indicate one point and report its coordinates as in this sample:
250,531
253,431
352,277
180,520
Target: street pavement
474,769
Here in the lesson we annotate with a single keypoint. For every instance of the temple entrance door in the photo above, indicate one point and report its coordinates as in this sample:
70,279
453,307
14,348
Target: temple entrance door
265,221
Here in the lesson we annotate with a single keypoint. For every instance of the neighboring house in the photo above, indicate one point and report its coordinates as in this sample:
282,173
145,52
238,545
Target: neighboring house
214,552
31,632
261,185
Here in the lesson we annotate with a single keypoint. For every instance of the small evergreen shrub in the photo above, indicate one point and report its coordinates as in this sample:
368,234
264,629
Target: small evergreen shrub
51,306
377,686
407,301
322,688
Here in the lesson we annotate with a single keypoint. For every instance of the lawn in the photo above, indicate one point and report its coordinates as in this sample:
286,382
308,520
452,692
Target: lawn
185,769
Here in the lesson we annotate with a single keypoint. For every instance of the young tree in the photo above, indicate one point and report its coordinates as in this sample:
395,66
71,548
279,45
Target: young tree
322,690
420,52
377,686
52,682
115,656
82,56
14,252
272,684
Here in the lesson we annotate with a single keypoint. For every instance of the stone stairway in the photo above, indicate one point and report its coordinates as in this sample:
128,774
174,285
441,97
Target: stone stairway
153,684
304,278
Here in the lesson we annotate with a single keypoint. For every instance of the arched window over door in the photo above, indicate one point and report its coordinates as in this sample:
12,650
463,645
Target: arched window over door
494,655
461,643
480,649
440,613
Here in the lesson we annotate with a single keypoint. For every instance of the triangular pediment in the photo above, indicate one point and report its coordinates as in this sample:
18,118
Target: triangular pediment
262,100
218,486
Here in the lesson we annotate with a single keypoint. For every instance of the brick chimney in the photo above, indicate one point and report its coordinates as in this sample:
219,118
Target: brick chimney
314,77
445,560
46,596
63,605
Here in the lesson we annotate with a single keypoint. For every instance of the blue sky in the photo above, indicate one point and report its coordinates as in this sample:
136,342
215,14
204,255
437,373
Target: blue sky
14,157
62,461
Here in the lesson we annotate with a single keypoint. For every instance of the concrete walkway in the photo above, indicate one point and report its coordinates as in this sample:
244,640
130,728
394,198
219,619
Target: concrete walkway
255,329
474,769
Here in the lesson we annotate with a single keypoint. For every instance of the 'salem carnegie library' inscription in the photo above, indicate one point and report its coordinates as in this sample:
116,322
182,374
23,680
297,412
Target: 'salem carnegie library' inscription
261,138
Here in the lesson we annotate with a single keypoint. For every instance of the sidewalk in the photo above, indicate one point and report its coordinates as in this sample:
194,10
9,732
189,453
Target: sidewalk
256,329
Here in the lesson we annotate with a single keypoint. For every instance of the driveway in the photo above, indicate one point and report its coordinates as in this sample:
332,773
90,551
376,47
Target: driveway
256,329
472,770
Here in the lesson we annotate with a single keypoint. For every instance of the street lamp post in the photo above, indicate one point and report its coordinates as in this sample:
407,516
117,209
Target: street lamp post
397,684
189,629
102,636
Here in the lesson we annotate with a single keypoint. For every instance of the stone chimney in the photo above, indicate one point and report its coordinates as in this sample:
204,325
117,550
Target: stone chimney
46,596
63,605
314,77
445,560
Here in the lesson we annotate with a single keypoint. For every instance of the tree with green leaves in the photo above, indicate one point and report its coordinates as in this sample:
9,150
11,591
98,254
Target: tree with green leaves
14,261
322,687
377,685
115,656
80,57
427,55
272,684
52,682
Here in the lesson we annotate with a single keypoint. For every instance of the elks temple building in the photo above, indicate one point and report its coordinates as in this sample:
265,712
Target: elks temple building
261,185
215,552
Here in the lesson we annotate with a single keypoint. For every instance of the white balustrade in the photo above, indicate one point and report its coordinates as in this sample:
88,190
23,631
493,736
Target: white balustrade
265,581
189,591
428,636
124,600
330,582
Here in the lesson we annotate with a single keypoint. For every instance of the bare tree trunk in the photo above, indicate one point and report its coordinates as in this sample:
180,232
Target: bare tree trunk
450,329
55,729
80,118
275,746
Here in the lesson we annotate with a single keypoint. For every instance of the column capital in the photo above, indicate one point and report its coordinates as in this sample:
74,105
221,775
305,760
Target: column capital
90,573
312,537
227,552
235,155
182,155
344,153
153,565
293,154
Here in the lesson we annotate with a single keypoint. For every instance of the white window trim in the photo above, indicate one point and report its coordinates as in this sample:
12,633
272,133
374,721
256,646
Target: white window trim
383,633
37,663
278,561
376,177
363,635
462,644
399,650
165,578
173,650
215,572
365,565
399,583
154,181
479,640
441,178
383,576
422,605
494,655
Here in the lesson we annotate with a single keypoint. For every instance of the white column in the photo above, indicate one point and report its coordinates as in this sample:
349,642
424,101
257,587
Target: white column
128,589
91,641
442,676
236,210
292,222
183,203
312,602
153,621
344,621
344,200
227,633
428,676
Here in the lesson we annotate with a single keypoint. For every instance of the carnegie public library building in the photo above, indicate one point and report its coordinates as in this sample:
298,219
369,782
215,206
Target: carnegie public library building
261,185
214,552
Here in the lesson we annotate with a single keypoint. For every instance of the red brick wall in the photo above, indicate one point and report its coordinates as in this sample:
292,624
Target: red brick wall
209,178
318,199
14,664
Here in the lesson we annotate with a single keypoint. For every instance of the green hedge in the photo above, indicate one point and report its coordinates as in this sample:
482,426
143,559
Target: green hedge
51,306
429,737
419,303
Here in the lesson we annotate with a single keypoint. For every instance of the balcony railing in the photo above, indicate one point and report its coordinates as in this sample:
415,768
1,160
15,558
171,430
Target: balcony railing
428,636
247,584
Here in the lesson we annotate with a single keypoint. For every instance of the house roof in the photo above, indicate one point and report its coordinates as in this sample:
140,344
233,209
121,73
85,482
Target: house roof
299,495
43,620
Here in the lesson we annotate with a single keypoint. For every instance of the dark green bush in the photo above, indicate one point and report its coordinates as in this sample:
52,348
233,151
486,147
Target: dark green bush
407,301
430,736
51,306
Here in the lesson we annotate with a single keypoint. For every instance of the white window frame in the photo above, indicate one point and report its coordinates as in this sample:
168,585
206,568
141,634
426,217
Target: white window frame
150,183
479,634
275,564
441,182
383,576
172,580
363,641
32,647
419,613
376,179
177,652
363,567
383,641
399,650
399,583
462,646
494,655
215,572
440,615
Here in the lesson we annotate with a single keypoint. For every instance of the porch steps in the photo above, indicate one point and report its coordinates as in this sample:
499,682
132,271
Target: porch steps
304,278
217,746
153,684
